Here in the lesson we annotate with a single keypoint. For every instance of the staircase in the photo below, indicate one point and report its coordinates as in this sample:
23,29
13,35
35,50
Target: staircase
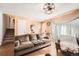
9,36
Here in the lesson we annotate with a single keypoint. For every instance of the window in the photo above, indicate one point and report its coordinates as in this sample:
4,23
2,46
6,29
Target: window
63,30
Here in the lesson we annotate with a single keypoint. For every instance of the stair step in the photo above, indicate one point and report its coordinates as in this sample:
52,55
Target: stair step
9,36
7,41
10,33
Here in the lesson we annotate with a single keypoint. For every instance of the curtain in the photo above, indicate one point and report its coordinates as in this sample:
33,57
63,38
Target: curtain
56,28
68,29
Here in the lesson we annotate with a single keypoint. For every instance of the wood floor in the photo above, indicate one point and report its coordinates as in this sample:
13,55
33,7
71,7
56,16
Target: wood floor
7,49
59,53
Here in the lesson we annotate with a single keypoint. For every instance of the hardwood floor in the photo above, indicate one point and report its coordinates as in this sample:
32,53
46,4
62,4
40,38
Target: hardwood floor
59,53
7,49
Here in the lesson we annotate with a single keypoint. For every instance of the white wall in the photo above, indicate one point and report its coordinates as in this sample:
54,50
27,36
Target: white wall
1,28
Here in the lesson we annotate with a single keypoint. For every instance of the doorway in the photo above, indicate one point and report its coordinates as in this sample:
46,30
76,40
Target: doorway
11,22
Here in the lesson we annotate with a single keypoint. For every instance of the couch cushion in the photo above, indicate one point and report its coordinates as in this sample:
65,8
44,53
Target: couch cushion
37,42
43,38
34,41
39,36
21,38
24,45
32,37
46,40
41,41
27,38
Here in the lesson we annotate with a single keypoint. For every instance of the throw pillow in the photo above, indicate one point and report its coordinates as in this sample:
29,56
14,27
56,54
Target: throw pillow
17,43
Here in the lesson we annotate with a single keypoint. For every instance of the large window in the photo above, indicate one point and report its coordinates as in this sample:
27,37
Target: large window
68,29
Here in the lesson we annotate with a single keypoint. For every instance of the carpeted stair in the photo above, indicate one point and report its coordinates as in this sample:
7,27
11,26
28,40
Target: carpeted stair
9,36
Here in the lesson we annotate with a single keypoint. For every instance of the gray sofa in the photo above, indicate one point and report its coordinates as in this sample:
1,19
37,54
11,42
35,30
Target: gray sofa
25,44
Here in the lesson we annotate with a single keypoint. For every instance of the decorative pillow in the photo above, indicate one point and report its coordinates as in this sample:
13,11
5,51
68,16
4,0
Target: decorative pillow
33,37
17,43
22,38
24,43
39,36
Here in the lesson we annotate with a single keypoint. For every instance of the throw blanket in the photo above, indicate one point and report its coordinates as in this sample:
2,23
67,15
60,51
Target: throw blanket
69,43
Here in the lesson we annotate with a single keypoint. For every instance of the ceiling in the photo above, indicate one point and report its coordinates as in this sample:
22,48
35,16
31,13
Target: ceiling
34,10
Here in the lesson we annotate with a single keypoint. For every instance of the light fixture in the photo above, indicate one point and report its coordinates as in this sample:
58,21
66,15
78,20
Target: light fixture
49,8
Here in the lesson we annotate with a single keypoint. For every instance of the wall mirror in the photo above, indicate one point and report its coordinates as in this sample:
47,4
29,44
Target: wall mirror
33,28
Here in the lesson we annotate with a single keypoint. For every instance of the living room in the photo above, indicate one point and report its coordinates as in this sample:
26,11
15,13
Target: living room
39,29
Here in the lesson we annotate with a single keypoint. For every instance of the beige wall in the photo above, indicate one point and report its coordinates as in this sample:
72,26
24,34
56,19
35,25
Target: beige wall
24,27
41,26
4,23
3,26
46,26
